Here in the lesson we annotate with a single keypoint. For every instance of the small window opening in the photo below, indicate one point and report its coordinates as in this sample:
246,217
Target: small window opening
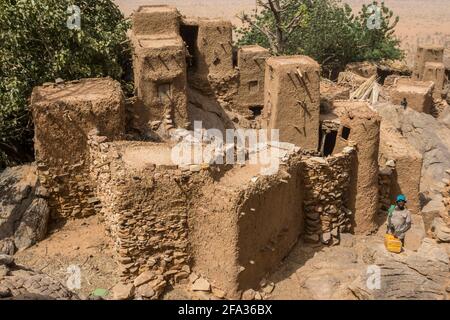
165,93
253,86
235,57
256,111
345,133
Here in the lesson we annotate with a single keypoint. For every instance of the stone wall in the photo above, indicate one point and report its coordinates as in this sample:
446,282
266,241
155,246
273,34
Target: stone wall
384,189
327,182
146,203
64,114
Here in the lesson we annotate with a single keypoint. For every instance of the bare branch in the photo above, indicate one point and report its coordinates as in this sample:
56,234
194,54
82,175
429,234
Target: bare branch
269,35
262,4
291,26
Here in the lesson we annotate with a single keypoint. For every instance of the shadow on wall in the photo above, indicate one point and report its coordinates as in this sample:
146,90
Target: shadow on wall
273,221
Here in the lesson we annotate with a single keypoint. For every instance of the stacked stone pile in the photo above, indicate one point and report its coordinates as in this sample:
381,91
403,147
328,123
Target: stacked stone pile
327,182
145,208
69,189
384,185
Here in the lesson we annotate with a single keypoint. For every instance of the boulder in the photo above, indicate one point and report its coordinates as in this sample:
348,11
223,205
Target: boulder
123,291
23,283
431,210
249,294
7,246
428,135
201,285
416,234
441,230
24,212
420,275
364,269
6,259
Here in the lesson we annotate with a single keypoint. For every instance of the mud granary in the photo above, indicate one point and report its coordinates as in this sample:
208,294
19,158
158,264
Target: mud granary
99,154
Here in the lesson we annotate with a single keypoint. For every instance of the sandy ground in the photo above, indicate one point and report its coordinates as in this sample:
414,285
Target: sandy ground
81,243
421,22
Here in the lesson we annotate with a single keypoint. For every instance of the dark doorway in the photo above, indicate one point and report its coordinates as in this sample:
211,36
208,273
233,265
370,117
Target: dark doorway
330,143
256,111
235,57
345,133
189,33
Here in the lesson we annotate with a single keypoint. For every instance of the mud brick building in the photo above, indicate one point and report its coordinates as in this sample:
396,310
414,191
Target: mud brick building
229,223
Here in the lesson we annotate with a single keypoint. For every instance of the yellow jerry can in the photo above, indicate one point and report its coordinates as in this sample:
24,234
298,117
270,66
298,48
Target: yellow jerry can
392,244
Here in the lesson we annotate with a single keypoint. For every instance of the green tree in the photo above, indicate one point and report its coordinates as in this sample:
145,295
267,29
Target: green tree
36,46
326,30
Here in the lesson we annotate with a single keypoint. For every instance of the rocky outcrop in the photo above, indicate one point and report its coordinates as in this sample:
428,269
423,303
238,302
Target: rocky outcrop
24,211
429,136
441,229
421,275
361,268
17,282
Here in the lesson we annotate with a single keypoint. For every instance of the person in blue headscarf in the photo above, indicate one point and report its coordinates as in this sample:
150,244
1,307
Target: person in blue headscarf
399,219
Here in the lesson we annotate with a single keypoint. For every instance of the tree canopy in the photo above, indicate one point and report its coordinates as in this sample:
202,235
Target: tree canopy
37,45
326,30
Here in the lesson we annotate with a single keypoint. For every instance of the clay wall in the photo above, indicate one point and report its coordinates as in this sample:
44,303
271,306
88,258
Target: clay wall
292,99
215,48
160,79
251,64
435,71
270,221
246,224
63,116
408,166
426,54
418,94
364,131
156,20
